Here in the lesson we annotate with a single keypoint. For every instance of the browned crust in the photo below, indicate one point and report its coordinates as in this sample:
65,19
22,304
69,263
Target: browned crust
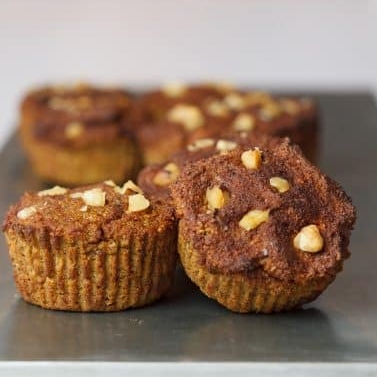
225,247
247,292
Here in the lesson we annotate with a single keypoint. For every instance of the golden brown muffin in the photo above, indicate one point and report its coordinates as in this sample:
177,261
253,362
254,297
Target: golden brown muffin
261,229
94,248
178,115
78,135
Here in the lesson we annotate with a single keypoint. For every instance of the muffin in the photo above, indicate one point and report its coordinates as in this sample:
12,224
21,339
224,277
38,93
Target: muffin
94,248
181,125
293,117
179,115
156,179
78,135
261,229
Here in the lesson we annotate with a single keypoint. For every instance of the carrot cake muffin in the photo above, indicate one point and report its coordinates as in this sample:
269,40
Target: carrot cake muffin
261,229
94,248
78,134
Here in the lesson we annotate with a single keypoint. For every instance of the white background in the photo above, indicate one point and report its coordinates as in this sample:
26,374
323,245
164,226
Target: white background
279,44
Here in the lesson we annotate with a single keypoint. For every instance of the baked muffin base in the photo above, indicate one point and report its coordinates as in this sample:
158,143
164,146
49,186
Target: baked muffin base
118,276
118,161
242,293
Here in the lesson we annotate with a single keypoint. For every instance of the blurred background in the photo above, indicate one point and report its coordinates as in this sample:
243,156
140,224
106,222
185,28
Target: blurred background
284,45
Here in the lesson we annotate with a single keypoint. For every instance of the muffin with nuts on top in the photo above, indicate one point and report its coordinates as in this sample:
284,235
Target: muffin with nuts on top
179,115
156,179
76,135
283,116
261,229
94,248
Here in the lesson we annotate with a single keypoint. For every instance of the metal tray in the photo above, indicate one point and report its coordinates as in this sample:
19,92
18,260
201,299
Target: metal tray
337,332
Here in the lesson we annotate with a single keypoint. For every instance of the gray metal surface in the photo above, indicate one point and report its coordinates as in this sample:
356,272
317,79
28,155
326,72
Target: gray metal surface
340,326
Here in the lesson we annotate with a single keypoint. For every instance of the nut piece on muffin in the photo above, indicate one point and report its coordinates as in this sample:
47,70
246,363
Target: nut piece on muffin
177,115
156,179
76,135
261,229
95,248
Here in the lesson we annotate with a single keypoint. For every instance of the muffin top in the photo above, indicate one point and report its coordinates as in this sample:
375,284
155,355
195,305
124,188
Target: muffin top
77,115
88,214
155,179
157,102
189,113
264,208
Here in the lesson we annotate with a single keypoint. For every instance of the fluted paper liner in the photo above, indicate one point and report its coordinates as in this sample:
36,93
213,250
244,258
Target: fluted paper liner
120,275
242,292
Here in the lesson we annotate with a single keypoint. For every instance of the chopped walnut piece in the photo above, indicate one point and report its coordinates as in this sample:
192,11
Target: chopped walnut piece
26,212
281,184
129,185
309,239
73,130
174,89
253,219
190,116
217,108
216,198
56,190
244,122
137,202
200,144
225,146
167,175
252,159
235,101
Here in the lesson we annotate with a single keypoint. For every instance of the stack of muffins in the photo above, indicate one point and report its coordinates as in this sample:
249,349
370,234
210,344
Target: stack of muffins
225,186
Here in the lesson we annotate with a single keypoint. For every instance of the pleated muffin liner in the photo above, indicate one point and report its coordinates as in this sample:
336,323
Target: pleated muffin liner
116,276
243,293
